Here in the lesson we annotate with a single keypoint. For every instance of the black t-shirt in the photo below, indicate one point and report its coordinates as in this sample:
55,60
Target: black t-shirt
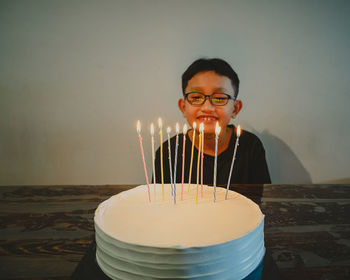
250,165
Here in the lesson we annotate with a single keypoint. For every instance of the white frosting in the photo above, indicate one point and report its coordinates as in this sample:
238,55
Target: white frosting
159,239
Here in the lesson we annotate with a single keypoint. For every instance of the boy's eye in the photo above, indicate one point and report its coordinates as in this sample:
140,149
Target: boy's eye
196,97
219,96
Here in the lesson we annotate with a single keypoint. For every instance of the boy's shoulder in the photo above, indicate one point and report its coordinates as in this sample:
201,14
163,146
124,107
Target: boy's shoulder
247,137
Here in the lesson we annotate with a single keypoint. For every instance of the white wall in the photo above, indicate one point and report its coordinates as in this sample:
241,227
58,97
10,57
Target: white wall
76,75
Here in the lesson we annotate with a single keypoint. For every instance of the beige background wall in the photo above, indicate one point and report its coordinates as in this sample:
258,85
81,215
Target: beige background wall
76,75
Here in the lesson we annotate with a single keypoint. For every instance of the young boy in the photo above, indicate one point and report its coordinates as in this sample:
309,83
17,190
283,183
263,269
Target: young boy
210,88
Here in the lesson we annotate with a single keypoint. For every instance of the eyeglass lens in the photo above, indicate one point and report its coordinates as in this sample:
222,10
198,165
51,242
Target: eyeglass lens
217,99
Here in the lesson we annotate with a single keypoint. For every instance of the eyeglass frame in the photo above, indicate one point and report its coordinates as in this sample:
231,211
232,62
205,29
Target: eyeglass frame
230,97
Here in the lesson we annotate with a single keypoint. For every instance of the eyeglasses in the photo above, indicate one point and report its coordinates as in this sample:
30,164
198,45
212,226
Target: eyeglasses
216,99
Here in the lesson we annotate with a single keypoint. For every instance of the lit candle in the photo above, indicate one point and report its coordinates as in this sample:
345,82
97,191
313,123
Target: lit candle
184,131
161,153
217,132
233,159
199,156
202,159
153,160
138,128
193,139
169,157
175,164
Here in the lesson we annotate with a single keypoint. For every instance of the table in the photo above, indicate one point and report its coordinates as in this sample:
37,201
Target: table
46,230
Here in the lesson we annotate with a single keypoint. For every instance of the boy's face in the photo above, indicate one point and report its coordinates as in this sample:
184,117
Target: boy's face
208,83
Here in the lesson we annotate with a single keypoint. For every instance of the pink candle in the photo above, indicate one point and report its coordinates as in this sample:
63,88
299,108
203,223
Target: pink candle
217,132
183,159
138,128
202,148
194,126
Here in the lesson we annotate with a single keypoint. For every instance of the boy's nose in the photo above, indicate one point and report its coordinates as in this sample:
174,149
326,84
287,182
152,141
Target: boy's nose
207,106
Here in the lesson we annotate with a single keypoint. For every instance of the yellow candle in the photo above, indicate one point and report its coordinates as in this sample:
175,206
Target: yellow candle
161,153
193,139
199,156
169,157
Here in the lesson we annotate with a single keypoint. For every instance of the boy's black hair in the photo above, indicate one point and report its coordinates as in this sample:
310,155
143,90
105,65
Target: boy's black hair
217,65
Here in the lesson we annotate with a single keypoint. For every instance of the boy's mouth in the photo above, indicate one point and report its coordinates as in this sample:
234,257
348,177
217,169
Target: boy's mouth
207,118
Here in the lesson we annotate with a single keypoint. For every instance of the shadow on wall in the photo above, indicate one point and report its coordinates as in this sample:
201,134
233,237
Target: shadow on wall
284,166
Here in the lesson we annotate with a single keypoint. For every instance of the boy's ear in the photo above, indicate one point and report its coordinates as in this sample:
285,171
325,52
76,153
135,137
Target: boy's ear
237,108
181,105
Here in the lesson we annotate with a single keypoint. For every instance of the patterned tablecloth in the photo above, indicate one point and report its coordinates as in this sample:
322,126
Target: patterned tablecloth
46,230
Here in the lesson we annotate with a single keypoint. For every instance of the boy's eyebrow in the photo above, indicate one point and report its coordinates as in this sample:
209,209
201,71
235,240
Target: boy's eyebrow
195,88
215,89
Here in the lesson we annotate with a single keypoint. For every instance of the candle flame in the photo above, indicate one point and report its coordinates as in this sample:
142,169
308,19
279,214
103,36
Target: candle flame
217,128
238,130
184,130
152,129
201,127
138,127
168,129
160,124
177,128
194,125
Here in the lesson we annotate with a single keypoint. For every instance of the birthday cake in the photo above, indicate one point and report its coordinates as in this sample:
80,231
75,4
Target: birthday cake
174,238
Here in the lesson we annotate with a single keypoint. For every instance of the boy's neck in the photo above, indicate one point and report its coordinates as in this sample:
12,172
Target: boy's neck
209,141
